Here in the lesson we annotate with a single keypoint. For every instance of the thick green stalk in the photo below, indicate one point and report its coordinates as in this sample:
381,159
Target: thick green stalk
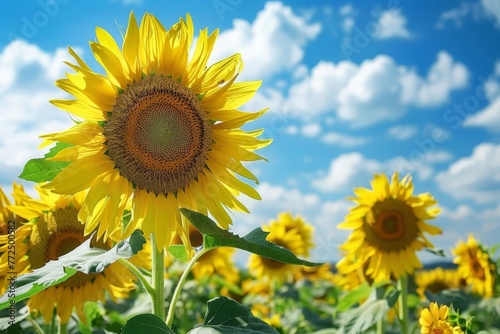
182,280
403,303
380,326
158,280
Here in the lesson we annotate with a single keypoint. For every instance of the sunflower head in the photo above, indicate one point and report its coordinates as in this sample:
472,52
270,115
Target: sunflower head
389,226
298,225
475,266
436,280
263,267
54,230
160,131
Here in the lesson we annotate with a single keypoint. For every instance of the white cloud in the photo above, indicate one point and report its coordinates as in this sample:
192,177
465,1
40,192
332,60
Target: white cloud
311,130
347,9
492,8
272,43
376,90
457,15
292,130
489,117
335,138
347,171
26,86
444,76
403,132
347,24
476,177
392,25
438,156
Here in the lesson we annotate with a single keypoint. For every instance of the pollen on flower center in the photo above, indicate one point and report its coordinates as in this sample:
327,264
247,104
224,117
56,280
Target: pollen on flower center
390,225
158,135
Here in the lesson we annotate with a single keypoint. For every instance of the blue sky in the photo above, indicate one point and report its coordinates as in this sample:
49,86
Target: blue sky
354,88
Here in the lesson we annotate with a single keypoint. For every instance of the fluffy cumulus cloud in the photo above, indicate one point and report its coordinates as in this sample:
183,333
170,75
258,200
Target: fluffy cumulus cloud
26,86
376,90
489,117
272,43
392,24
311,130
346,172
403,132
476,177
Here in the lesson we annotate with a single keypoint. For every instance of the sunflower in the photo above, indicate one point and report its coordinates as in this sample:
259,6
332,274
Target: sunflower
436,280
349,275
389,225
434,321
161,129
53,230
263,267
297,224
475,266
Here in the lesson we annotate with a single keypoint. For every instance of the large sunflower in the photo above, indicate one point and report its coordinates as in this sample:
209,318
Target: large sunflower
475,266
436,280
389,225
52,231
161,128
433,320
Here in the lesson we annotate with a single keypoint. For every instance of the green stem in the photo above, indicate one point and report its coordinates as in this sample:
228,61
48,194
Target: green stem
36,326
63,328
144,281
182,280
158,280
380,326
403,304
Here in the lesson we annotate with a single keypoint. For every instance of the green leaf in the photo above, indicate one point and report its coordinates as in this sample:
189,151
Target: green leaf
254,242
179,252
354,297
146,323
361,318
56,149
83,258
41,169
225,316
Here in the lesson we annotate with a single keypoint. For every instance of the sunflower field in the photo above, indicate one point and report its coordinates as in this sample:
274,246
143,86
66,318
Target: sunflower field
130,231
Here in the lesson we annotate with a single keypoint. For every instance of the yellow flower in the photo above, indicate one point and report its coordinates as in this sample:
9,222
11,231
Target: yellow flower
52,231
433,321
161,130
436,280
298,225
263,267
388,227
475,266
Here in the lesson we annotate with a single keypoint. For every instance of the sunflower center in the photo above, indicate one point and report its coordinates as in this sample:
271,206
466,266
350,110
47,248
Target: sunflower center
391,225
158,135
55,234
437,286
